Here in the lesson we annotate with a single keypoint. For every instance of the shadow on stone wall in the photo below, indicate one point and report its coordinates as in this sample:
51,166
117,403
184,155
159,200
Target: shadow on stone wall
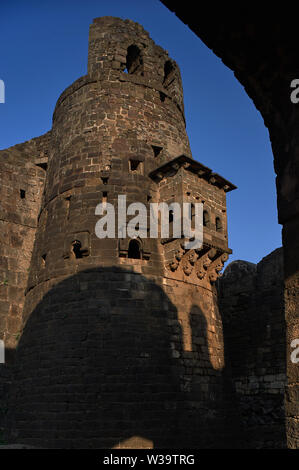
251,300
95,369
5,383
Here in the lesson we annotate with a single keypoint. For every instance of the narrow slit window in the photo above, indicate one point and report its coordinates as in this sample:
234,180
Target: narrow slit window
206,219
171,213
22,194
192,216
68,203
218,224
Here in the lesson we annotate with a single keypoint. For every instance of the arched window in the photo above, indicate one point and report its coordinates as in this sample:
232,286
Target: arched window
76,245
79,251
134,250
206,219
134,61
218,224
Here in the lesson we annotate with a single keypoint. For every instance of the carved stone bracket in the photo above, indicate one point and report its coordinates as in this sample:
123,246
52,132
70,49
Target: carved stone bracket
205,262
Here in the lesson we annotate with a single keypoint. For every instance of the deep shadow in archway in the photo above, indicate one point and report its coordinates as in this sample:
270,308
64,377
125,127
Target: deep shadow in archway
96,368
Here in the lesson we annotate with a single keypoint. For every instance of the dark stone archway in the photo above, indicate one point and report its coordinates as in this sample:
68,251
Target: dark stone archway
261,50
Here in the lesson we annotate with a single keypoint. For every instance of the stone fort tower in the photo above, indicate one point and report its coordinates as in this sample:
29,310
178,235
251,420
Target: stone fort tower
120,341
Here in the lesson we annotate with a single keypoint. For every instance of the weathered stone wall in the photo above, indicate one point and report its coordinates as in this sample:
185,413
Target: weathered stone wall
20,194
251,302
138,363
21,188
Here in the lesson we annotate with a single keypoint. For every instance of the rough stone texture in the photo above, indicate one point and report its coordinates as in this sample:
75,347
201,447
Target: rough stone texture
251,302
261,50
120,349
22,179
21,190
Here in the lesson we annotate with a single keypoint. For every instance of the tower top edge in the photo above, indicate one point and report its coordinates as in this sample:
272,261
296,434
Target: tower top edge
104,25
110,20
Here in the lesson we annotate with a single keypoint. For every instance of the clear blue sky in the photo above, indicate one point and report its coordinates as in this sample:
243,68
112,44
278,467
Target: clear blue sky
43,49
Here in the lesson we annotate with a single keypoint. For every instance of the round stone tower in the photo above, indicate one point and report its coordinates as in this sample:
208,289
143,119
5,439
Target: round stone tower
122,341
111,128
